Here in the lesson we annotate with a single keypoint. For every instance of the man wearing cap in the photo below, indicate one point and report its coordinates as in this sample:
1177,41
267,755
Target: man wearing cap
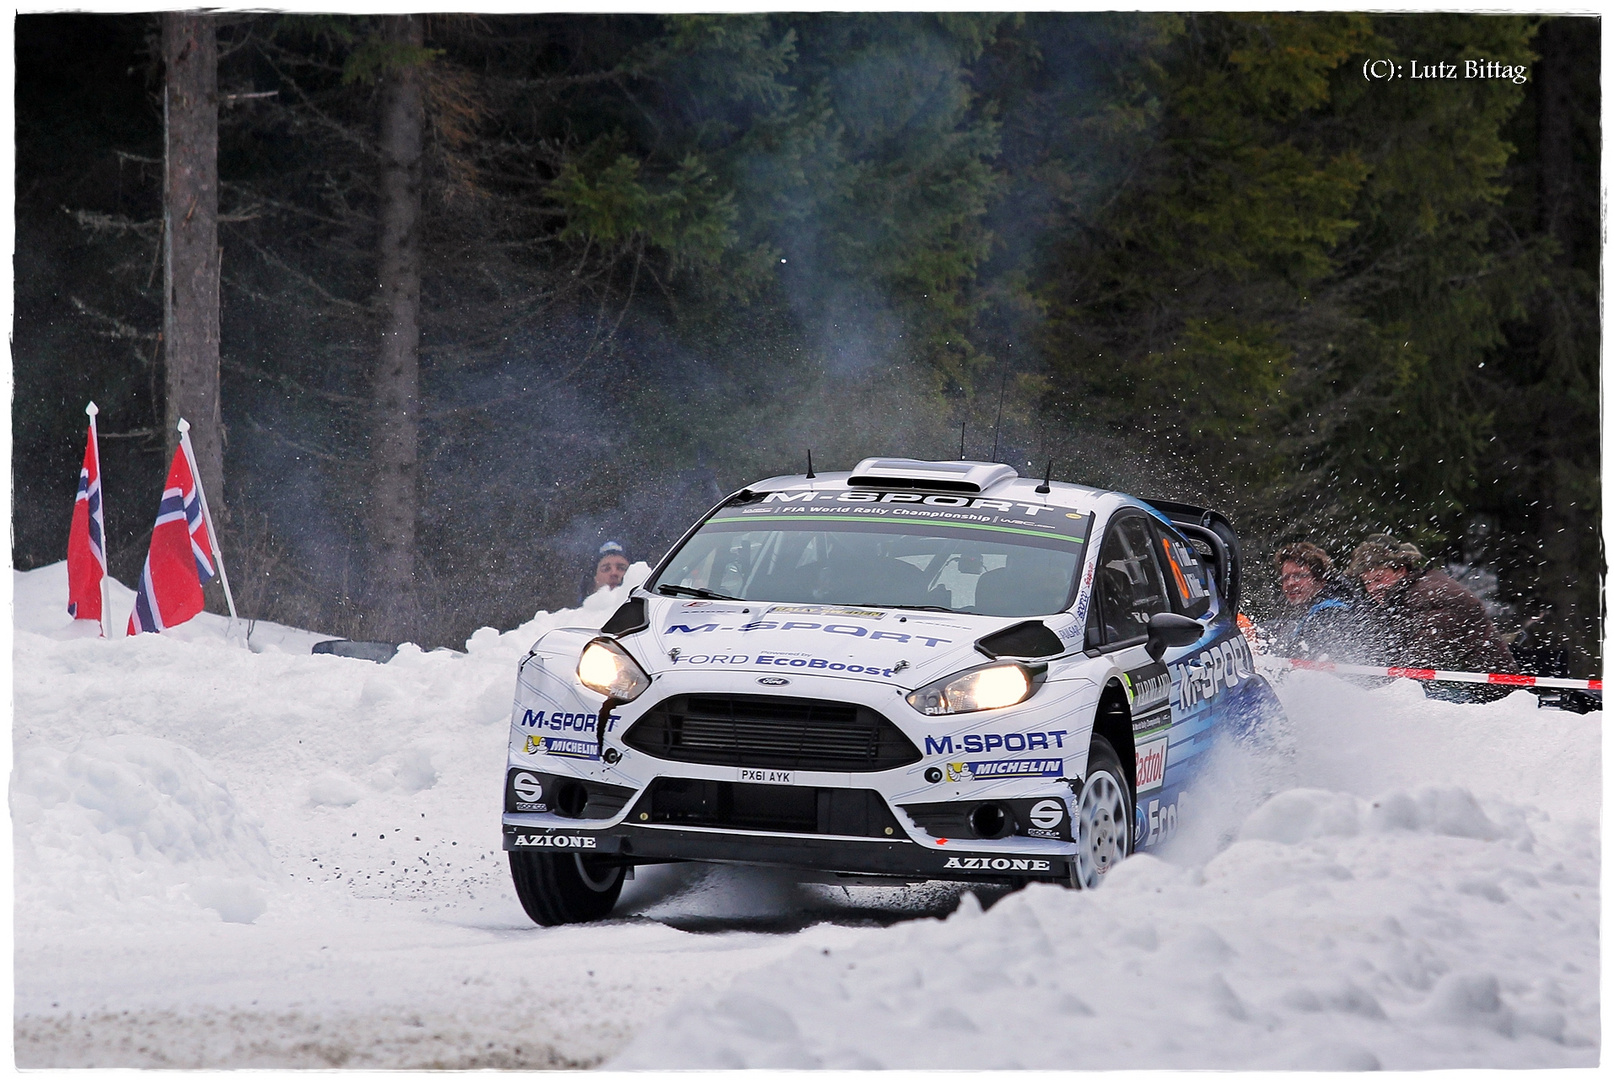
1431,620
609,567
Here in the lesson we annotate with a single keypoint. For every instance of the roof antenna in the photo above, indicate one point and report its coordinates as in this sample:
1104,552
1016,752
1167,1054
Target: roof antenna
1043,488
810,474
998,427
962,424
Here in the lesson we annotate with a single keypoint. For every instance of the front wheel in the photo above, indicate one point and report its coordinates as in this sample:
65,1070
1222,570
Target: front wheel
1103,816
569,887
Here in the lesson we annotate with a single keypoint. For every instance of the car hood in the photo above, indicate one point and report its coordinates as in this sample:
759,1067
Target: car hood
901,648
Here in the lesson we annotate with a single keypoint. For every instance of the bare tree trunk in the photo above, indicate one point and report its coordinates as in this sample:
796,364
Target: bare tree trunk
191,241
1555,118
1570,547
393,453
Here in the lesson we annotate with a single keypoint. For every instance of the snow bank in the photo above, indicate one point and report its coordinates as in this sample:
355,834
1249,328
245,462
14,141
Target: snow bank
231,855
136,822
1401,884
511,645
136,758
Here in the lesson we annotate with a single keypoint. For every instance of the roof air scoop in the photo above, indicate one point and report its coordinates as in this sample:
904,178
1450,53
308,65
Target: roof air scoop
929,475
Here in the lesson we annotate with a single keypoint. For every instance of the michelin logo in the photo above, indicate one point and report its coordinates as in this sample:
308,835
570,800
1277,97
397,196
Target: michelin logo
985,770
549,744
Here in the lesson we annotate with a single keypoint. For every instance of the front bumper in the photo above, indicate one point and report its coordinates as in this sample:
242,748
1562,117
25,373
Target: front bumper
898,859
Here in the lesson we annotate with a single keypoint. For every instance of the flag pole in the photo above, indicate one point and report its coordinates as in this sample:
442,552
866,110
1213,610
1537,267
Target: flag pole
107,622
212,533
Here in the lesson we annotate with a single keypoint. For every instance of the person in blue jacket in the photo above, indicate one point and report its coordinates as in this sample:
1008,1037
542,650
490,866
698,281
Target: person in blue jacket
1328,620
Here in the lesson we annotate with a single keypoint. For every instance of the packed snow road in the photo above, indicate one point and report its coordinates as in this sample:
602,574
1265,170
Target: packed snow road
239,857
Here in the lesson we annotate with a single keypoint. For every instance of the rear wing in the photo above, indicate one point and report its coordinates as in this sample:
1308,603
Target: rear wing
1214,531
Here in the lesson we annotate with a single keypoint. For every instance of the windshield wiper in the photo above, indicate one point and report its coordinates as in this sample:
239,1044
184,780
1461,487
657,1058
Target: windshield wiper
916,607
689,590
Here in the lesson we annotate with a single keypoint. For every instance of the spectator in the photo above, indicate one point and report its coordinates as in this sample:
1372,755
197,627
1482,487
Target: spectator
1327,618
609,566
1431,621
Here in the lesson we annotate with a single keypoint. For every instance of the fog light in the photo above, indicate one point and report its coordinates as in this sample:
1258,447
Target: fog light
989,821
570,798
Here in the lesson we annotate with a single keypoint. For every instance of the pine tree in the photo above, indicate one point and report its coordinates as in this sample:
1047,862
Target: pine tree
191,254
399,55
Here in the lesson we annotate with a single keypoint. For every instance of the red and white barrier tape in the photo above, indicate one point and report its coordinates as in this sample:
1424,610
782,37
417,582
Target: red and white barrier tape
1431,675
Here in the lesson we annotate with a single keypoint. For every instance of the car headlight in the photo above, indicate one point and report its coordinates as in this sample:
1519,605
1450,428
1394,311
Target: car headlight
992,687
606,668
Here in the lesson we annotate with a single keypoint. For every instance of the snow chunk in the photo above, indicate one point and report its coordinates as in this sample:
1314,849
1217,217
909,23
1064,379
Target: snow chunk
1471,1000
132,818
414,770
334,789
235,900
1302,814
1447,811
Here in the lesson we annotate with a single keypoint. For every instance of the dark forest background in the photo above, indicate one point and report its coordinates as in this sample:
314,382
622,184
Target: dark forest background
1198,257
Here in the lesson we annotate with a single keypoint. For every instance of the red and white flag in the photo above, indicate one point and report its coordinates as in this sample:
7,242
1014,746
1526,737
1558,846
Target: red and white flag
86,540
180,559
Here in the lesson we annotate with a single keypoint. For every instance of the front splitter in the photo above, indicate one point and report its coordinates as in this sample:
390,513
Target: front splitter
897,859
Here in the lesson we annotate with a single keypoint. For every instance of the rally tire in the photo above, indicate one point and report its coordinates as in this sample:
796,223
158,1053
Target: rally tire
564,887
1103,824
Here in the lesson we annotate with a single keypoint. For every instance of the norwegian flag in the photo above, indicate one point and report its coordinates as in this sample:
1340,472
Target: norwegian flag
179,562
86,540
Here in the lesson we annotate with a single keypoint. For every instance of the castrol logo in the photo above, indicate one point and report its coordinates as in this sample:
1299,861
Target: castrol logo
1151,765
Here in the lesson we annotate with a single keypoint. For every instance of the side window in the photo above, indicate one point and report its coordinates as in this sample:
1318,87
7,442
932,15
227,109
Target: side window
1095,619
1189,577
1130,585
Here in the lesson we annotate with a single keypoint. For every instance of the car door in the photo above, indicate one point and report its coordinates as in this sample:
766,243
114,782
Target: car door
1129,588
1136,561
1207,682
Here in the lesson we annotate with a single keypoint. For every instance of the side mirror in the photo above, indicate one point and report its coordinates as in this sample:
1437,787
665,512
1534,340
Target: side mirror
1168,630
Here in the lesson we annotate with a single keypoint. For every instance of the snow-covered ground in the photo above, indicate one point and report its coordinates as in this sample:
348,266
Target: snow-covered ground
232,854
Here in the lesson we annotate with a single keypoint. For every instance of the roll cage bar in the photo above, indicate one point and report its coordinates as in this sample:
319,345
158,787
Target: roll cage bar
1214,530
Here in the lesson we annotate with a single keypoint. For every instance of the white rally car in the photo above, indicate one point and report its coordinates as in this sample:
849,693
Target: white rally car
914,670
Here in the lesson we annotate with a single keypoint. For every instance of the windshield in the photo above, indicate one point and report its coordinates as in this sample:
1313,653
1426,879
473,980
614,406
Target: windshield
1009,559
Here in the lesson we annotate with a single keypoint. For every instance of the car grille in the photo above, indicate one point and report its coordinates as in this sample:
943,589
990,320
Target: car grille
672,800
771,732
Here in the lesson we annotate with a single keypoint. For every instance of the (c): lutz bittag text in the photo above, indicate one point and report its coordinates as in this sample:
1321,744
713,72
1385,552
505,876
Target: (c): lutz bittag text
1382,70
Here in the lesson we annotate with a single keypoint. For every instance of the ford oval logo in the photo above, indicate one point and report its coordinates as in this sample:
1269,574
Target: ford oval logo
774,680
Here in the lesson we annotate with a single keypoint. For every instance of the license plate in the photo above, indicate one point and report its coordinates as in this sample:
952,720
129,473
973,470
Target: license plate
765,776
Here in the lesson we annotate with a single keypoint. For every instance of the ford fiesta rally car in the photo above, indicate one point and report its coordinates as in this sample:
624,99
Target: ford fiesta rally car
914,670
